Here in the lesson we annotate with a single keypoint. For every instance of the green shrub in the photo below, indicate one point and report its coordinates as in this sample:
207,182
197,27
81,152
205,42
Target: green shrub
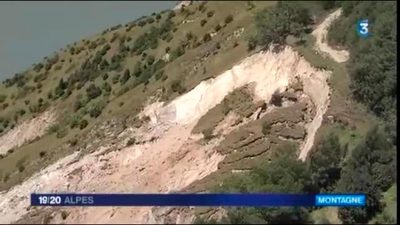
217,28
21,112
189,36
150,60
271,24
107,87
6,177
42,154
206,37
150,20
83,124
115,78
276,99
137,70
141,23
176,86
62,132
38,67
202,7
131,141
266,128
93,91
179,51
203,22
95,111
159,74
125,77
73,142
21,168
171,14
251,44
64,215
208,134
228,19
74,121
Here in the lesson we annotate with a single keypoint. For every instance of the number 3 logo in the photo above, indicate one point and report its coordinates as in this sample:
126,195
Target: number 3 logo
362,28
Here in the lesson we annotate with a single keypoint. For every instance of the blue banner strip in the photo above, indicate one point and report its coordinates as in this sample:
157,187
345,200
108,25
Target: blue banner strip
196,200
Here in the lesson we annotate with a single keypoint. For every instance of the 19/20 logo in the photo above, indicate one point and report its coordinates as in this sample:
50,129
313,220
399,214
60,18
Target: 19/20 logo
363,28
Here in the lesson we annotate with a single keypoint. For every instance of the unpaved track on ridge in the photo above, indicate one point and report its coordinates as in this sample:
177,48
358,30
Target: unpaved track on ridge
321,43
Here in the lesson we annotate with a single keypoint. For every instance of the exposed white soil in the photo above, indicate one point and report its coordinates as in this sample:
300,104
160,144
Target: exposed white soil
321,45
174,159
26,131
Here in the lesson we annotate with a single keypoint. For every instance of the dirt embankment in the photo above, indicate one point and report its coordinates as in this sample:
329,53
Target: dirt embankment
26,131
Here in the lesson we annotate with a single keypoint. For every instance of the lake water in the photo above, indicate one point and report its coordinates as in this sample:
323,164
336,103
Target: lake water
30,31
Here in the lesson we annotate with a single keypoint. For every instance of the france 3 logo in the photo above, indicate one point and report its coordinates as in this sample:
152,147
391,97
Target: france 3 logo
363,28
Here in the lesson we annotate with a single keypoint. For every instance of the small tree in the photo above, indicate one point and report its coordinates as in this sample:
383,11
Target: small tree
203,22
210,13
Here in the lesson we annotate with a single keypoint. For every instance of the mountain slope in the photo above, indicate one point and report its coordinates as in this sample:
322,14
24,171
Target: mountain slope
180,101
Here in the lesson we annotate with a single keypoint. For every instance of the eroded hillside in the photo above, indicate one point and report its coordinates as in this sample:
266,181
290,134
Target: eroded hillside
177,101
166,156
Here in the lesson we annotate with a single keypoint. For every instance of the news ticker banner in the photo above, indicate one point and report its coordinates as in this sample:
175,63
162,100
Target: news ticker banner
254,200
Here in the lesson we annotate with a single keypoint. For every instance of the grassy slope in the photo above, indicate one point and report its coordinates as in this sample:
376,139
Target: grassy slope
179,69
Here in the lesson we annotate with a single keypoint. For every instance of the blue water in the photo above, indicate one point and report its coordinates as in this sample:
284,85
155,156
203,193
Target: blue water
30,31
